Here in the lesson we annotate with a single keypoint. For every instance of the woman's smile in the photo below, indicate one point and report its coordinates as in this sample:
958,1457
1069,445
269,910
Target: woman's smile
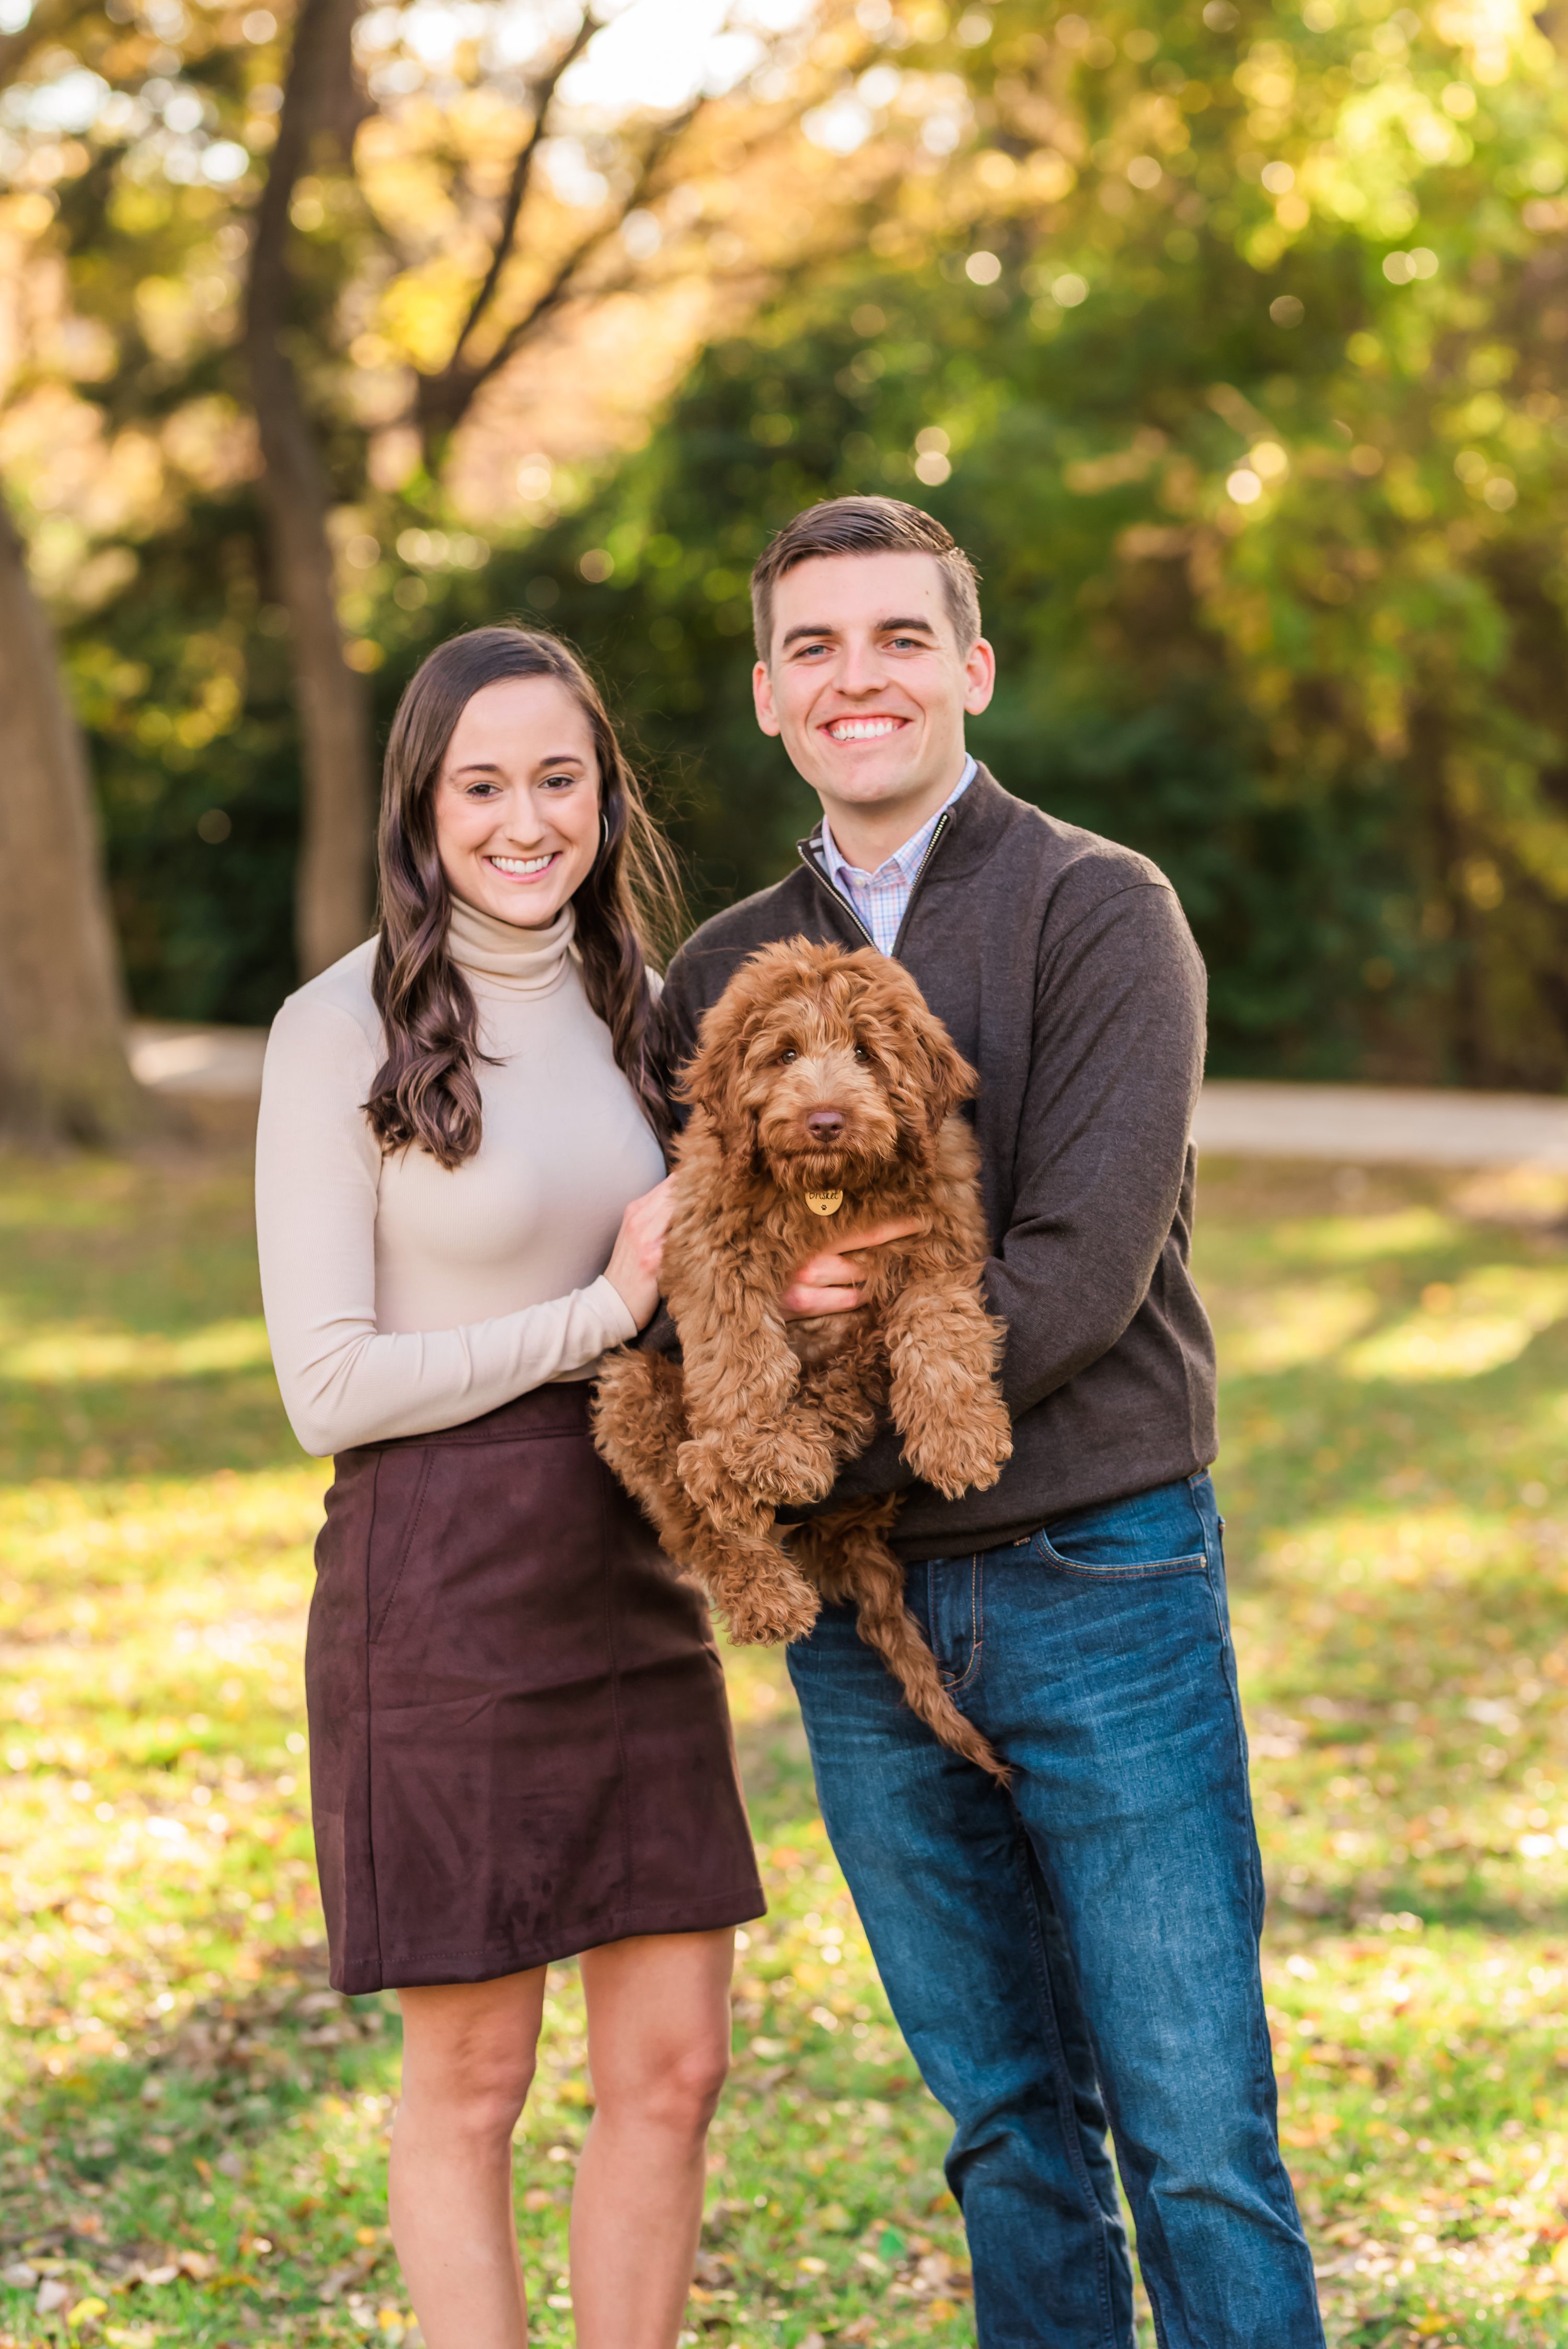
522,868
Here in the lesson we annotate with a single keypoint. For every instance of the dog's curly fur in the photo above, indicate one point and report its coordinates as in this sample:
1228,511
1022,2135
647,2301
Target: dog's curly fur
817,1070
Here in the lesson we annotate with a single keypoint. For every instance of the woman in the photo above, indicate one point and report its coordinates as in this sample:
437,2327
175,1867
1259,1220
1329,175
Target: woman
520,1747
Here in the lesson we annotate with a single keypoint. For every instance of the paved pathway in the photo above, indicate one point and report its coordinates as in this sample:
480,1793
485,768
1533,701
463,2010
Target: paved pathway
224,1063
1352,1124
1381,1124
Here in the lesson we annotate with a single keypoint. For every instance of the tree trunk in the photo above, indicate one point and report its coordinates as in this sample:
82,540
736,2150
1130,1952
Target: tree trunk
1466,1040
64,1075
332,901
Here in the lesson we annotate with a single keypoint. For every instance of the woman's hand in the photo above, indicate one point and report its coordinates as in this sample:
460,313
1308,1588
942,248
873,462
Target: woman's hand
633,1266
834,1282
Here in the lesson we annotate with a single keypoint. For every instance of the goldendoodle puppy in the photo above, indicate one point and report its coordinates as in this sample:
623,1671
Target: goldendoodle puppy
823,1096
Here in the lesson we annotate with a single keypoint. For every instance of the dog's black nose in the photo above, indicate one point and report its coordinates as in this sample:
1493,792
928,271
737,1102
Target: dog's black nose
825,1125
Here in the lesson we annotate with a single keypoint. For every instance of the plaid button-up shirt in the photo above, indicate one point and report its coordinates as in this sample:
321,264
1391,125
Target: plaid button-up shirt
881,898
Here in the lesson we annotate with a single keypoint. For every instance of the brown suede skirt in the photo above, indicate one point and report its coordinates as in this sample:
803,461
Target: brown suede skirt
520,1746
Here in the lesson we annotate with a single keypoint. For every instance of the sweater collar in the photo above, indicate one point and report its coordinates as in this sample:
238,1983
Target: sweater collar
901,867
971,826
513,961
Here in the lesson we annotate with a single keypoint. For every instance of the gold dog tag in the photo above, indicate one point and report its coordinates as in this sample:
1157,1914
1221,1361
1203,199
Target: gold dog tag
824,1203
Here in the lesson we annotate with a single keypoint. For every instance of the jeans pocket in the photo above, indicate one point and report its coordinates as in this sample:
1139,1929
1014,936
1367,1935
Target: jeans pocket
1157,1532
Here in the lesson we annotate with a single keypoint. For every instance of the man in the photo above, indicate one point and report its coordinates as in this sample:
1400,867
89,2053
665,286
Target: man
1081,1952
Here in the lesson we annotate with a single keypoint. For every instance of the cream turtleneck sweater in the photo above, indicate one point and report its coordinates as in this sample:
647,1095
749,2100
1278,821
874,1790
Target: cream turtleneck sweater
400,1296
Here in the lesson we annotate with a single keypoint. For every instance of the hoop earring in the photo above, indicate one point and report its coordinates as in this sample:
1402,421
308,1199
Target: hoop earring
603,830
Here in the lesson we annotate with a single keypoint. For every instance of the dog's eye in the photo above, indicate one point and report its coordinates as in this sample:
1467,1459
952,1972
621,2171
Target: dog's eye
788,1053
861,1054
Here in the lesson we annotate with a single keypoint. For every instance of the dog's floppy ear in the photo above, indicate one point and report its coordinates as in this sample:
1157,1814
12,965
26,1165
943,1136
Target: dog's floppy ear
711,1078
714,1067
947,1076
929,1076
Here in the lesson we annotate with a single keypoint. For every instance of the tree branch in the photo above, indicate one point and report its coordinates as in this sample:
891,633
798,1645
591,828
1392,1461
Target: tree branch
443,396
543,93
446,398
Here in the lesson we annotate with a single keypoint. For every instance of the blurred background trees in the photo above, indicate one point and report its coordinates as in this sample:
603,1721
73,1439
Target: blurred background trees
64,1070
1229,338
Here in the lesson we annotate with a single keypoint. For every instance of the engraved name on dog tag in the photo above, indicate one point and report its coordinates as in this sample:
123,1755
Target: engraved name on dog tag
824,1203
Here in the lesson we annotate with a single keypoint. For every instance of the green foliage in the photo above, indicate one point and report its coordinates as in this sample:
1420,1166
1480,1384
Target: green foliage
183,687
1229,342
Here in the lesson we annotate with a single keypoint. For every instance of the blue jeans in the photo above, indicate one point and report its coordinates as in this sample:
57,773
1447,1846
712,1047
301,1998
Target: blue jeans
1080,1952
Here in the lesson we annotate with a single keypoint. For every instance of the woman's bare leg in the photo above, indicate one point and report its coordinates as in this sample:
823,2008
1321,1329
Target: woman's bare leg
468,2061
658,2048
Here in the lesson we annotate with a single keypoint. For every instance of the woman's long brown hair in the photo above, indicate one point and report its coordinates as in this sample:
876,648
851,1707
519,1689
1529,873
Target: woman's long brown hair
425,1091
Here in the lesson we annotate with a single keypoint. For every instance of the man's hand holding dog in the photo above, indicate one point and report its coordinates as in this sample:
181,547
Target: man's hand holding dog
832,1282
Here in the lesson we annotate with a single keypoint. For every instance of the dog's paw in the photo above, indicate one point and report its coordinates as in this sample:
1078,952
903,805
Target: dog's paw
967,1453
704,1475
698,1473
764,1616
784,1467
729,1476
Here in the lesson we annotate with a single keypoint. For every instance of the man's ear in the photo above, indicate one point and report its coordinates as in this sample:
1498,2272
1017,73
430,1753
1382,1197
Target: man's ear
762,695
979,677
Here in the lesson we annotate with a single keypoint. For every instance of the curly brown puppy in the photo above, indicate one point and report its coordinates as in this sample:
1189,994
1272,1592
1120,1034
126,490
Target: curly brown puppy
822,1088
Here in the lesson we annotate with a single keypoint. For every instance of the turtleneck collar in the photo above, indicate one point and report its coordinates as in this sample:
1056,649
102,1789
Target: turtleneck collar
512,960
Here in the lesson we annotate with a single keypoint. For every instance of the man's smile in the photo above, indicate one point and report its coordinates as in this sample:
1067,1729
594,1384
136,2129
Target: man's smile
863,729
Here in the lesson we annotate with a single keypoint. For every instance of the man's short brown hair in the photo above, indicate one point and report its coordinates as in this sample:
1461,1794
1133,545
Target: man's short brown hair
866,526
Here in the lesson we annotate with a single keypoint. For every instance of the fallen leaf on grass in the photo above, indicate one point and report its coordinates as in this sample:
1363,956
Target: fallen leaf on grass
353,2271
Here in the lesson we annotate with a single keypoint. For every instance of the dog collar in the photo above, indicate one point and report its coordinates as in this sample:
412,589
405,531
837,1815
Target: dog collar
824,1203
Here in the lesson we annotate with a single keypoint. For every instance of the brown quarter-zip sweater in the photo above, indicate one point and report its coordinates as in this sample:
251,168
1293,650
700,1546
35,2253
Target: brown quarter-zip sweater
1066,972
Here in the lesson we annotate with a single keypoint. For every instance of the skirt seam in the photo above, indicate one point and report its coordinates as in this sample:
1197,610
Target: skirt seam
415,1511
624,1795
370,1723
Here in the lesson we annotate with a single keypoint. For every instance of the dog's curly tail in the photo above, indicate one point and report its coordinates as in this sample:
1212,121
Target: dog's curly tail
847,1553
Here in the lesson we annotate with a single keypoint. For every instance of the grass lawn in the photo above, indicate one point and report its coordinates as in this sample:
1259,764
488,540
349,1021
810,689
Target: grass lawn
193,2131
